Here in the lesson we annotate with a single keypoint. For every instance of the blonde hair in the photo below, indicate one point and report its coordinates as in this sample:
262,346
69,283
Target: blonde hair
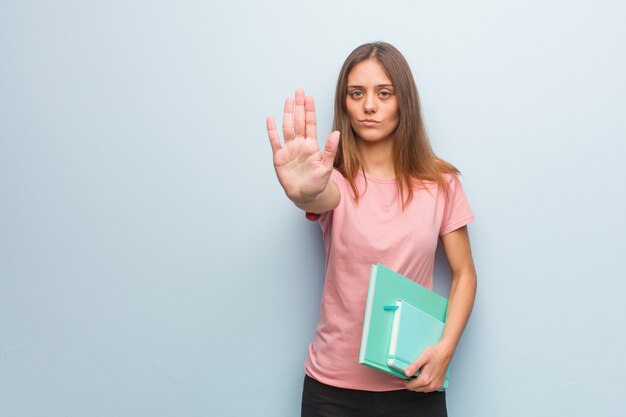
413,158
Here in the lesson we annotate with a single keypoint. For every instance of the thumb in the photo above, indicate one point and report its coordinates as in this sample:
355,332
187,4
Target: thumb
416,366
330,149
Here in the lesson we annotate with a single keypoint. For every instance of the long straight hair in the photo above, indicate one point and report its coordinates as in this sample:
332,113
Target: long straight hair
413,158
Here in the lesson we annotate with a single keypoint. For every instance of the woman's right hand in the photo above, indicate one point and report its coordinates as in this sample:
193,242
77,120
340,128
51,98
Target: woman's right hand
302,170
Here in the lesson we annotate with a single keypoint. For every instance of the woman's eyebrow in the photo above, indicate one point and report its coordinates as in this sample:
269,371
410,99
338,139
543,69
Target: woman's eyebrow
377,86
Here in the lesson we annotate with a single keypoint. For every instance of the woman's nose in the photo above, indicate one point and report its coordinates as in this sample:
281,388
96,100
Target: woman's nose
369,104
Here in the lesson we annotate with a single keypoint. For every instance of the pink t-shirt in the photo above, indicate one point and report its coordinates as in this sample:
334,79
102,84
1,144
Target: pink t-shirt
375,230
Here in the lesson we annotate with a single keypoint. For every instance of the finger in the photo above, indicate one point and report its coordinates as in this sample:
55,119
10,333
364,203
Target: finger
299,117
417,384
288,120
309,118
273,135
330,149
415,366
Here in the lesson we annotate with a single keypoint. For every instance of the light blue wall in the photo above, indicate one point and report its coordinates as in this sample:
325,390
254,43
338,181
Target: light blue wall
150,264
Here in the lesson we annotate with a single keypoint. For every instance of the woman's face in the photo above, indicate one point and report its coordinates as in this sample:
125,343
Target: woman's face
371,102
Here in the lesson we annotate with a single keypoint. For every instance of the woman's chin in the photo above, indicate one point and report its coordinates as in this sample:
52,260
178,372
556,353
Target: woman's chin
372,138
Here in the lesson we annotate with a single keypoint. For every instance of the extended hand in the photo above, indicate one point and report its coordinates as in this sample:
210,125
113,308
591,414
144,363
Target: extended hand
302,170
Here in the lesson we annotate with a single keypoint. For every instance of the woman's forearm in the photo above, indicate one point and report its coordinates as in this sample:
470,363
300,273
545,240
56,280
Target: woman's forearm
325,201
460,303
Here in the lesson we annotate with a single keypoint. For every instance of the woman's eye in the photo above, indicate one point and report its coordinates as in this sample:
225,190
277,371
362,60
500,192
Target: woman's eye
356,94
385,94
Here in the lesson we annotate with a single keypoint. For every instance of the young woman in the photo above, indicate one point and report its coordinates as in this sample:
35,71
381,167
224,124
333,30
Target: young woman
380,195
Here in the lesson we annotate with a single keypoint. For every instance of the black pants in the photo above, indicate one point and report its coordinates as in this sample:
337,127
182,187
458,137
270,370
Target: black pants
320,400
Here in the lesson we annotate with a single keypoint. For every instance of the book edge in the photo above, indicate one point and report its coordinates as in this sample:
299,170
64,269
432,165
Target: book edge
368,313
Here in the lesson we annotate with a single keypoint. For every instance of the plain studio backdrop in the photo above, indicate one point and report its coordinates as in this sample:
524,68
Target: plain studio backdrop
150,264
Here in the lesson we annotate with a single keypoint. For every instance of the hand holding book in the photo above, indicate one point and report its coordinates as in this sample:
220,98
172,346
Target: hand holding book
402,330
432,366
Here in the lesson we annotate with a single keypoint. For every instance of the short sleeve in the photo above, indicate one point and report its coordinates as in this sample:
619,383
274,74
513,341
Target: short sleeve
457,212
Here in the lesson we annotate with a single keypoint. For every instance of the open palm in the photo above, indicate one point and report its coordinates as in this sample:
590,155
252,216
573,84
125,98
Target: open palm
302,170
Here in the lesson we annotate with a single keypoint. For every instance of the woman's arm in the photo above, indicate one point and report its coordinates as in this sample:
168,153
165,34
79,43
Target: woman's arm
327,200
302,170
433,362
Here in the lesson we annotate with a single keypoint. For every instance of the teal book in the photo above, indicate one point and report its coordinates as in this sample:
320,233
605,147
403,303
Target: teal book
412,331
388,294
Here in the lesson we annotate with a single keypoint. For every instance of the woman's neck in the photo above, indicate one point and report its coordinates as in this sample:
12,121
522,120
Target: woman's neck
377,158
